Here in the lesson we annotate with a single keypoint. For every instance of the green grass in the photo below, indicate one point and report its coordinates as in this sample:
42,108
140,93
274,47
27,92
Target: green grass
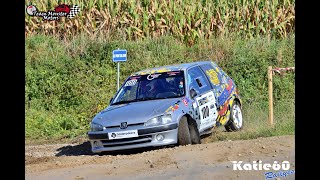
68,82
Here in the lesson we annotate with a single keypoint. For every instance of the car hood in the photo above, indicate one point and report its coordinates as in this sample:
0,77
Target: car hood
135,112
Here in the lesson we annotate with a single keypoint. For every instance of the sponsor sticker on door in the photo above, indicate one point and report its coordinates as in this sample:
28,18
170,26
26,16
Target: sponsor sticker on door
123,134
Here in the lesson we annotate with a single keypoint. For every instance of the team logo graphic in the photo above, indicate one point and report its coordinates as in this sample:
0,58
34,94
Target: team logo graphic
31,10
185,101
62,10
152,76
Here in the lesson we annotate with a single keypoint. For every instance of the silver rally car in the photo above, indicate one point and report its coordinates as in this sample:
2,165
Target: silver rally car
166,106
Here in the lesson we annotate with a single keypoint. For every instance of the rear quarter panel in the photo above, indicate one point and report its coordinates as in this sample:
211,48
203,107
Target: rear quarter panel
225,91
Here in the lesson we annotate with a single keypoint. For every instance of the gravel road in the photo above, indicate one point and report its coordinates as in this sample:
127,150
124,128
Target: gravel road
202,161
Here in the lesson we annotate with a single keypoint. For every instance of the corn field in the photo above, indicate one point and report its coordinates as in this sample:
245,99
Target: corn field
187,20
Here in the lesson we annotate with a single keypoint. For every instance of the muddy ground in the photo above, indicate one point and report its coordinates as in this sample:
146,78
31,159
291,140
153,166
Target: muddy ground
203,161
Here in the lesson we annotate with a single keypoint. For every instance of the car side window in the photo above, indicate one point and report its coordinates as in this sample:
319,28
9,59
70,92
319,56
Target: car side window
128,93
213,74
197,80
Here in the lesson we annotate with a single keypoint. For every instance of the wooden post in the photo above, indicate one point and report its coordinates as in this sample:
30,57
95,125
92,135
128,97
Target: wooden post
270,95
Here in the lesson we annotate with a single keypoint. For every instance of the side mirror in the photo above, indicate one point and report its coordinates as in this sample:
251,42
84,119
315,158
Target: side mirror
193,93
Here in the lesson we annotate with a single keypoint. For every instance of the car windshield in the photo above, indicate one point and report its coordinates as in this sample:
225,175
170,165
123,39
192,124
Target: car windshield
151,86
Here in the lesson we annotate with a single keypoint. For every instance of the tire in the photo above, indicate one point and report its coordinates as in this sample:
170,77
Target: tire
235,122
194,133
184,136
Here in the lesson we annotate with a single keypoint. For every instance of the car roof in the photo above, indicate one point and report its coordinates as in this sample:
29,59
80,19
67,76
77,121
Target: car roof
174,67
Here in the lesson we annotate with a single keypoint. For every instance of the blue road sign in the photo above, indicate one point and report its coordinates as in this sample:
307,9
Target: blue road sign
119,55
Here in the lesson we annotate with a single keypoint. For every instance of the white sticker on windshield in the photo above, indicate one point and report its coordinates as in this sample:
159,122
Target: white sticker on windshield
152,76
131,82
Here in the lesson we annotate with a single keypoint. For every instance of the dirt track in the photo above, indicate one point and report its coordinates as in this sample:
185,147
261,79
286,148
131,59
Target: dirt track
203,161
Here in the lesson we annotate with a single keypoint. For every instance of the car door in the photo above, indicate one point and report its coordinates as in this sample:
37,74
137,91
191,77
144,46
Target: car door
205,112
223,87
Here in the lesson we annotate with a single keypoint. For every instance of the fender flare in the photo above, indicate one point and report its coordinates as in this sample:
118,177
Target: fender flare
189,118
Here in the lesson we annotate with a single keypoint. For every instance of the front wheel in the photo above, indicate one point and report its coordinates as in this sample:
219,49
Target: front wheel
188,132
235,122
194,133
184,136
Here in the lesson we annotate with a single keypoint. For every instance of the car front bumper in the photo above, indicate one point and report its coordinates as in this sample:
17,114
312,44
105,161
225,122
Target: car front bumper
147,137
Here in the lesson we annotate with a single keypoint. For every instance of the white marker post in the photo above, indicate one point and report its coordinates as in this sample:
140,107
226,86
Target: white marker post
119,55
118,64
118,75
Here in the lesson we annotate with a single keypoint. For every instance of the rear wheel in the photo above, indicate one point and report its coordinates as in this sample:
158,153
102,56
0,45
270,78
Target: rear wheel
184,136
235,122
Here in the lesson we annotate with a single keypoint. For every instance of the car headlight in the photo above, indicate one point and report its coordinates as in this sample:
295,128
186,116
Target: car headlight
164,119
96,127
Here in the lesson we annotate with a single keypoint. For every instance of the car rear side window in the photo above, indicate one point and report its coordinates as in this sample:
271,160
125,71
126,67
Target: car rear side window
215,74
197,80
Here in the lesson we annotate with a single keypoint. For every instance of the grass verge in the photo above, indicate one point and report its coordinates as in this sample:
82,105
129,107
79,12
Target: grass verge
68,82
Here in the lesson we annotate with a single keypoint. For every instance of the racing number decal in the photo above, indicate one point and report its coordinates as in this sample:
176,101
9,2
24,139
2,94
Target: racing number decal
207,110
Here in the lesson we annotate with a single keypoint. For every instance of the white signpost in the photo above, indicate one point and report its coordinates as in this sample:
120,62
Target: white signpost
119,55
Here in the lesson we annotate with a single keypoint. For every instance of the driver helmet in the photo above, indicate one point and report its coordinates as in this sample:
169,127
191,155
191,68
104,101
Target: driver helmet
152,86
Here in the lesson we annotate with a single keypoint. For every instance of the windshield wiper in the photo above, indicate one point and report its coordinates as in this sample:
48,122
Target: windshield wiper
145,99
135,100
123,102
140,99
